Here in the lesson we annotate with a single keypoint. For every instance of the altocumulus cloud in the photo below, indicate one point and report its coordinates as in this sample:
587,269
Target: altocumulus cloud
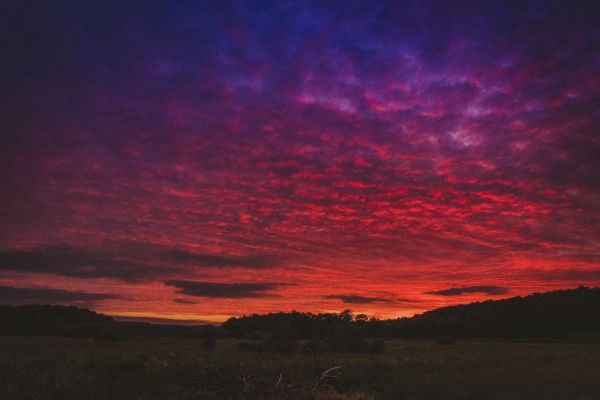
224,290
489,290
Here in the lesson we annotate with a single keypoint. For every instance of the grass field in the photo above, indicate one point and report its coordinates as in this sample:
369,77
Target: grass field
65,369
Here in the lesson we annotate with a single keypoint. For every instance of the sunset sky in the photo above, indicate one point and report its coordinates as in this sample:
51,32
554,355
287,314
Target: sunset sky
201,160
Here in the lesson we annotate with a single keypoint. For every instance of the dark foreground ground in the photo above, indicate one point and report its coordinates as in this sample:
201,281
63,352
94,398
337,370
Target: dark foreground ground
51,368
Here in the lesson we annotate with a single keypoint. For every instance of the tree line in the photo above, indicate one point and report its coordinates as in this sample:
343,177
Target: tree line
561,314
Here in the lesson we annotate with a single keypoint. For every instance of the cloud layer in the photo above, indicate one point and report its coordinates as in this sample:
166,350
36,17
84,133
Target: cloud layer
399,148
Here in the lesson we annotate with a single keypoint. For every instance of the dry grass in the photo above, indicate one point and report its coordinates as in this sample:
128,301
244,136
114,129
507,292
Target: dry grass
181,369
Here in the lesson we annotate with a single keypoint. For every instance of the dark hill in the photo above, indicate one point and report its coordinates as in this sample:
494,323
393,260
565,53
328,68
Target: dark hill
556,314
42,320
51,320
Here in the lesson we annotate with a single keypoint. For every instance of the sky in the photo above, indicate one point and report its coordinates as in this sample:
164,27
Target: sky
202,160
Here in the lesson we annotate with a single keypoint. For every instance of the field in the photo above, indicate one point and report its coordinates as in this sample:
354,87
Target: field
69,369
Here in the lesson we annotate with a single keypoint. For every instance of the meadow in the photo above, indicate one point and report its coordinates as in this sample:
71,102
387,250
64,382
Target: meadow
45,368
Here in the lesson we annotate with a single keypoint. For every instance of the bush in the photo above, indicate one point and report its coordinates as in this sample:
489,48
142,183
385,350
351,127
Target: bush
445,340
